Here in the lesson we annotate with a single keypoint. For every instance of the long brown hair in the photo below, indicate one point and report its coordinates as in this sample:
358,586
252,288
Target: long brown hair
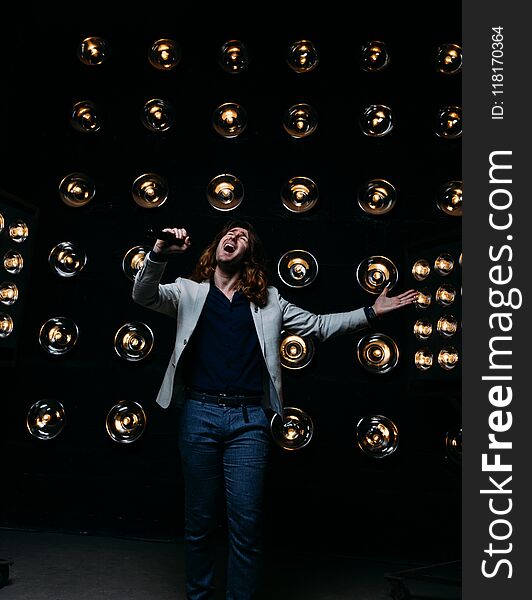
253,278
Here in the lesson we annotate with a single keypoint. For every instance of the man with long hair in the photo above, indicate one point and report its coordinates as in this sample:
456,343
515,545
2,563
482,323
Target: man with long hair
225,374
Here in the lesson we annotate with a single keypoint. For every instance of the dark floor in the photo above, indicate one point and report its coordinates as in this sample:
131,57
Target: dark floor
58,566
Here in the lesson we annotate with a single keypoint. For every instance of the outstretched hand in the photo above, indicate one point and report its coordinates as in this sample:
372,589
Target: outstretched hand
385,304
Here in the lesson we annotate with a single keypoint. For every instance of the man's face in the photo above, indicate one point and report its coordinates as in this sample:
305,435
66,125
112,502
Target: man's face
233,247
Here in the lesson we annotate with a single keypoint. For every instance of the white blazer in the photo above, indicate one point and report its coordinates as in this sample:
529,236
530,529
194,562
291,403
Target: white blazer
184,299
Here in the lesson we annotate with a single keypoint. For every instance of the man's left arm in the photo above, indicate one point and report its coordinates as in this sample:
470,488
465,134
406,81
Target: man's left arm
323,327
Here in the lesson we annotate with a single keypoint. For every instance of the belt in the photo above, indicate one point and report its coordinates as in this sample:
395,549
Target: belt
224,399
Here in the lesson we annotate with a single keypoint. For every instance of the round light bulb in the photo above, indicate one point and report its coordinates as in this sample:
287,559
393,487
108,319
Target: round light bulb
422,329
423,359
377,120
449,59
233,57
300,120
449,122
449,199
302,56
93,51
421,269
374,56
164,54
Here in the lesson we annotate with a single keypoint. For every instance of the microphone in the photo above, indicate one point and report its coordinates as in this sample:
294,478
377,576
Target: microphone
166,236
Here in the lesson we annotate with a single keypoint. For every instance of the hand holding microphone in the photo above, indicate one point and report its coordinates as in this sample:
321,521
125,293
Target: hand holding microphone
170,240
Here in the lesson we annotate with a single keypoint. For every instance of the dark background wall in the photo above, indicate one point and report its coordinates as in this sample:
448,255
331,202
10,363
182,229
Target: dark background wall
329,492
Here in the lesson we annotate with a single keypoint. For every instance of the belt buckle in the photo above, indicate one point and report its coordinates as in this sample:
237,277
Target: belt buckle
221,401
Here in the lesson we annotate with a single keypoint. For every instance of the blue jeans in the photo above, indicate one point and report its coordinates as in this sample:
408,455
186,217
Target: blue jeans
220,450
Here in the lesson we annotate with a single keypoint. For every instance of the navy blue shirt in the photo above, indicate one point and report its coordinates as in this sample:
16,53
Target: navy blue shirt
223,354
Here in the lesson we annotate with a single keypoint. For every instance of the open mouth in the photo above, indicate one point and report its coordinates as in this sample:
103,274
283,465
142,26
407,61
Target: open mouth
229,247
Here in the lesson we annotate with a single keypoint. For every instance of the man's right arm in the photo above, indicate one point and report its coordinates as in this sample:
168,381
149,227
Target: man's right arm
149,292
147,289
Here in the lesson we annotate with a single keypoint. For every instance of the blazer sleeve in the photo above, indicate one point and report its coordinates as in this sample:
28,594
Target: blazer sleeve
323,327
148,292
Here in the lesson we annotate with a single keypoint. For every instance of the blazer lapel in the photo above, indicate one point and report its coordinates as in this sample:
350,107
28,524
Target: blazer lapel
256,313
199,301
